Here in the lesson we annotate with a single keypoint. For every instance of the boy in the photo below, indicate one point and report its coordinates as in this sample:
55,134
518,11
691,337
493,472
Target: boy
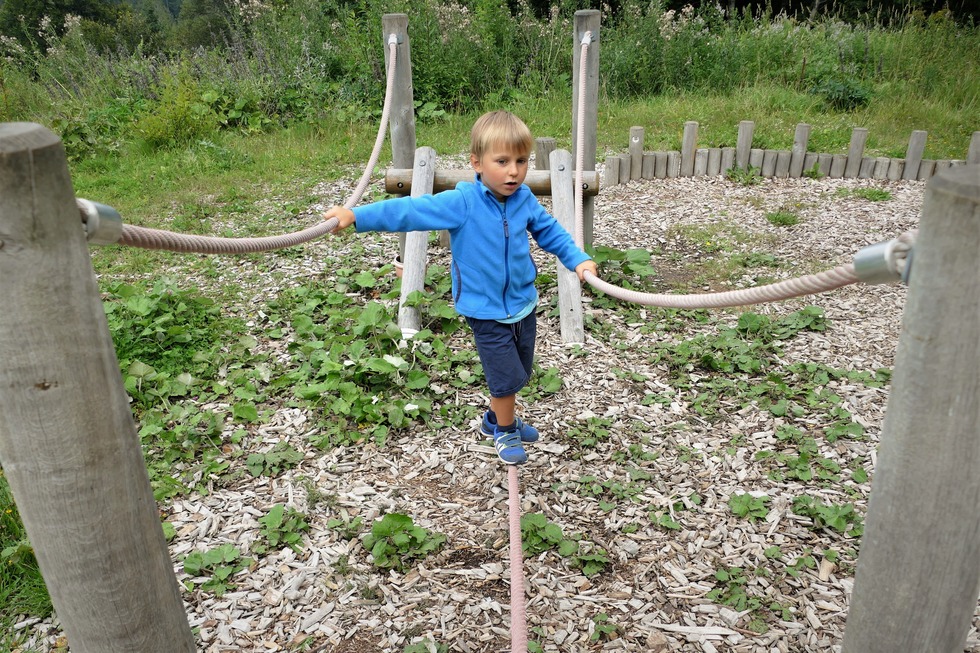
492,272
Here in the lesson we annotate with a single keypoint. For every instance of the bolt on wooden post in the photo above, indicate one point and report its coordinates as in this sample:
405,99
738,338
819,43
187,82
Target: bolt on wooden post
67,439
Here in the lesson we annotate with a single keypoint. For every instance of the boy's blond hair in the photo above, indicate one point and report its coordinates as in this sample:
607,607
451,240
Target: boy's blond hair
500,129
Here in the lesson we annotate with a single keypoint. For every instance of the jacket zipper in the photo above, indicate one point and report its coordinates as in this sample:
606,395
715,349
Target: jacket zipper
503,212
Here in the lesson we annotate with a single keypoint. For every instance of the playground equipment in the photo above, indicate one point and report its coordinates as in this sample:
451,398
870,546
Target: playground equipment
94,524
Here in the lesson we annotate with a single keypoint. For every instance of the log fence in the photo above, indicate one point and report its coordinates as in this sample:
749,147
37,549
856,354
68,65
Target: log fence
694,161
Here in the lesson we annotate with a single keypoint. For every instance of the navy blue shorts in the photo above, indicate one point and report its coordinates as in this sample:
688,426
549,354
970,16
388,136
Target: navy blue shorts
506,352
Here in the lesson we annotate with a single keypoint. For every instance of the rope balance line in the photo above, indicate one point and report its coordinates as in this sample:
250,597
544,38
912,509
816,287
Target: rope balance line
518,617
147,238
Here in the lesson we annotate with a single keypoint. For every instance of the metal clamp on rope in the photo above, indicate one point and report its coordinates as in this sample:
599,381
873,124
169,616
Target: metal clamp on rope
876,263
103,224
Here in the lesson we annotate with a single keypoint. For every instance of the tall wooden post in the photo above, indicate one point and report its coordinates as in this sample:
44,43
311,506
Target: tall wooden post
67,440
401,122
586,20
569,287
918,573
416,244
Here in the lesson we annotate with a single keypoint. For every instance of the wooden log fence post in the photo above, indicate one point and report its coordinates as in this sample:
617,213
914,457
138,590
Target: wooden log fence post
416,245
855,152
743,144
586,20
973,154
636,152
543,147
801,140
918,574
67,439
688,148
569,287
913,155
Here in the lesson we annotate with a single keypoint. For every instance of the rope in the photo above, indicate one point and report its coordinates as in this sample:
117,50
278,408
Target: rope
147,238
808,285
518,618
579,139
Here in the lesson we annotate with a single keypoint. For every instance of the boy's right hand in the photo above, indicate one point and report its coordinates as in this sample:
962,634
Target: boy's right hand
345,217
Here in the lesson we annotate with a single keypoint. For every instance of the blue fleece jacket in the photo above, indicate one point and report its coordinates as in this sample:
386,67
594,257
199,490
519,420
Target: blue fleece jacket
492,270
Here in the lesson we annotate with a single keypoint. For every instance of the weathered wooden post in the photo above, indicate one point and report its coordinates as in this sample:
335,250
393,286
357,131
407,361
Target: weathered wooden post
918,574
586,20
801,140
689,144
543,147
67,440
416,245
569,287
636,152
401,121
855,152
913,154
743,145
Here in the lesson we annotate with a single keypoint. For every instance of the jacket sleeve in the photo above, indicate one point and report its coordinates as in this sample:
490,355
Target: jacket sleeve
552,237
426,213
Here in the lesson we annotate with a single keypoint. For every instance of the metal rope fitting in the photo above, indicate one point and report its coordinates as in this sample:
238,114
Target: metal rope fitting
878,263
103,224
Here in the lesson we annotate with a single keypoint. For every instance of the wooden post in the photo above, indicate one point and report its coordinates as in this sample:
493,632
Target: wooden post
973,154
416,245
700,162
801,140
586,20
648,167
743,145
636,152
401,123
67,440
838,165
727,159
543,147
688,147
768,163
855,152
714,162
569,287
783,160
918,574
660,165
913,155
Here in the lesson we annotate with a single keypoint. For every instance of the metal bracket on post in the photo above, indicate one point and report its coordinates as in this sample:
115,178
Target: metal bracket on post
103,224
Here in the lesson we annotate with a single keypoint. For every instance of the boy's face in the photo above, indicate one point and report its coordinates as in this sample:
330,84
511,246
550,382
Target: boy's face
502,170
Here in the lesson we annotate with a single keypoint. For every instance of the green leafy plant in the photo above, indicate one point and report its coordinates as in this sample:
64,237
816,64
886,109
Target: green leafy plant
749,176
842,518
281,527
395,542
748,506
539,535
281,457
347,529
603,628
220,563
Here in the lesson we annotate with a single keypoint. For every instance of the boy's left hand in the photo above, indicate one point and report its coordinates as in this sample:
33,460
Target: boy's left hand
585,266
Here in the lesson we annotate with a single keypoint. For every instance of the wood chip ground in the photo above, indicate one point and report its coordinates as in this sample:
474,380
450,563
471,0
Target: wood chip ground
332,598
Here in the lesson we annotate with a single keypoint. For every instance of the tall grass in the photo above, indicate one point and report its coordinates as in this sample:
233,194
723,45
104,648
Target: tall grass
306,60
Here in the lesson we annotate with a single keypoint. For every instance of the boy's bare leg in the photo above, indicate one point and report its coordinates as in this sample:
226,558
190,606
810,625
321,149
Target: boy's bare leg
503,408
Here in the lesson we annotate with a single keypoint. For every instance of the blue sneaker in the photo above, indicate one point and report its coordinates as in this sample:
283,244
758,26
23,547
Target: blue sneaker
528,432
509,448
